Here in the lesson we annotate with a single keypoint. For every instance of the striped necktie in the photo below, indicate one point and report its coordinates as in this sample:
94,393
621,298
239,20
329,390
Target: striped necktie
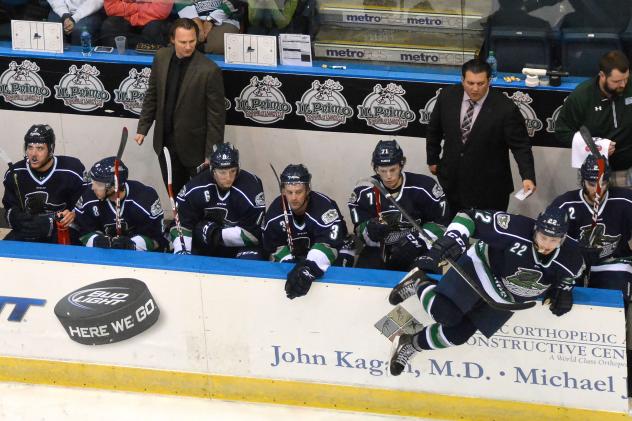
466,125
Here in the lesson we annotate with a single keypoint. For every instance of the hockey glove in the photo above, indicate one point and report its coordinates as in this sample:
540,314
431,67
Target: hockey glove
123,243
40,227
590,254
450,246
560,299
18,219
207,234
300,278
403,253
102,242
377,230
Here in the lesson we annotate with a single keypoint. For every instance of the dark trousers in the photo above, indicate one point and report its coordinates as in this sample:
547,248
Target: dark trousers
180,173
155,32
92,23
455,205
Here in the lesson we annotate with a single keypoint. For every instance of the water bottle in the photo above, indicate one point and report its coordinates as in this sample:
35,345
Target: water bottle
491,60
86,43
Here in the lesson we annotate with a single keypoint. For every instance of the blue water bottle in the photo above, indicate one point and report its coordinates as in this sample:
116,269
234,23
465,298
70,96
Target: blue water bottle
491,60
86,43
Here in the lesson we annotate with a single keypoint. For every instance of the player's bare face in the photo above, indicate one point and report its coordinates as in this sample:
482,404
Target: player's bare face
615,83
184,41
590,190
390,175
296,196
225,177
100,190
38,156
544,244
475,84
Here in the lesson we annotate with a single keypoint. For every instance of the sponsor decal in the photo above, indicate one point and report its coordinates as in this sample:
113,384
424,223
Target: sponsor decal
131,91
523,101
437,191
262,101
386,109
260,199
324,105
20,306
81,89
550,121
502,220
108,311
330,216
227,104
156,208
22,86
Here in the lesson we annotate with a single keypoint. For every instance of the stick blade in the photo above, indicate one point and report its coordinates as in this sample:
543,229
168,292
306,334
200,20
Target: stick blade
587,137
5,157
165,151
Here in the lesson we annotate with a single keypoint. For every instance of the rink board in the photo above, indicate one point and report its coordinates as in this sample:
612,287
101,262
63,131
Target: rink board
227,331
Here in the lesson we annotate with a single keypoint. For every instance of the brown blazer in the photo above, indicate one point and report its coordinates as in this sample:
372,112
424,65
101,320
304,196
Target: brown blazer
199,114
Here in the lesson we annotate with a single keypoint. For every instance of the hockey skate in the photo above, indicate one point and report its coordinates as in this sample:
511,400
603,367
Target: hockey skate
409,285
404,352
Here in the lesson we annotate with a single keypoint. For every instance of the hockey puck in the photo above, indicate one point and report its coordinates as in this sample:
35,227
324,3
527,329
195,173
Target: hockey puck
108,311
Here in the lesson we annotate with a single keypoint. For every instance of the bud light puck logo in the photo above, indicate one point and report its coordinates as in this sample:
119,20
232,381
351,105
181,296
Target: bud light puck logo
22,86
131,92
107,311
262,101
386,109
81,89
323,105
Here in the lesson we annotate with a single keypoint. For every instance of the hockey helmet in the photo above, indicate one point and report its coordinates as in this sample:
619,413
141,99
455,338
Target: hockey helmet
387,152
590,169
296,174
40,133
103,172
553,222
224,155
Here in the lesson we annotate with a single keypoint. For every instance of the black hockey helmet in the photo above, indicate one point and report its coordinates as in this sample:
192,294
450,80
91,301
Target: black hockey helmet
40,133
224,155
553,222
387,152
590,169
103,172
296,174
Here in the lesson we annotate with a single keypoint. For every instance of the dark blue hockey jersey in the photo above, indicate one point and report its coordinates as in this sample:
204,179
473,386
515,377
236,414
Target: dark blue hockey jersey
52,191
317,235
239,210
141,216
420,195
505,247
614,220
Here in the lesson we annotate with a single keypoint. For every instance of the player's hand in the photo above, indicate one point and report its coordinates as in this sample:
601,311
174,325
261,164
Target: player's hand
560,299
611,148
528,185
66,217
139,138
590,253
41,226
404,252
377,230
123,242
102,242
19,219
208,233
450,246
434,169
300,278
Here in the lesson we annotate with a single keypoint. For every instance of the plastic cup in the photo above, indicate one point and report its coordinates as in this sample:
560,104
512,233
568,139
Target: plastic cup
120,44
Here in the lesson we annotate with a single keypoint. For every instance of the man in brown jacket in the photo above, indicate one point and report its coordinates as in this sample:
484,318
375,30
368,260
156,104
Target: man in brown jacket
186,99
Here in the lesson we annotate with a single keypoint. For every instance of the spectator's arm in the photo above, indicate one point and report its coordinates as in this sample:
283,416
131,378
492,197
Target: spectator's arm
87,8
59,7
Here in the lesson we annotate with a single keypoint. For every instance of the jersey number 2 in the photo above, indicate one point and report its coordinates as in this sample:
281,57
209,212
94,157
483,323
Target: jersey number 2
518,249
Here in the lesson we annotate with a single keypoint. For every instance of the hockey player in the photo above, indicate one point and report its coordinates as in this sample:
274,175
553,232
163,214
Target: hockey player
604,242
139,209
304,227
221,210
41,190
516,259
389,241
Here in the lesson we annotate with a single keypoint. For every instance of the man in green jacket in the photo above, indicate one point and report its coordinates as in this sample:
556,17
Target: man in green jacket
604,105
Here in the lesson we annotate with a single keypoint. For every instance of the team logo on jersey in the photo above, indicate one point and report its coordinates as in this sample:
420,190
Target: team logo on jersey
502,220
424,113
330,216
437,190
607,243
323,105
182,192
522,100
156,208
386,109
131,92
260,199
22,86
525,283
353,197
550,121
227,104
262,101
81,89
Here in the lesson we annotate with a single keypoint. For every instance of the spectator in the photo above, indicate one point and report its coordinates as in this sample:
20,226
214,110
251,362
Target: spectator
272,17
213,19
77,15
140,22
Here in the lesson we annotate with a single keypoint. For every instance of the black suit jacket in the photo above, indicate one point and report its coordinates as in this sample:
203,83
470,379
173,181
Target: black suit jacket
477,174
199,114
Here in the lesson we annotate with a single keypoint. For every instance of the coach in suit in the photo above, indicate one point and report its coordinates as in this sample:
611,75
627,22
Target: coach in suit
477,127
186,99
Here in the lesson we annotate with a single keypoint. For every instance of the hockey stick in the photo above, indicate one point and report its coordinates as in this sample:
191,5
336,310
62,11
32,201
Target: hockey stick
204,165
466,277
176,218
117,160
286,217
5,158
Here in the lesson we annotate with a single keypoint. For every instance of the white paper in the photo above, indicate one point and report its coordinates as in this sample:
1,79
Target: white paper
522,194
37,36
295,50
250,49
580,150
